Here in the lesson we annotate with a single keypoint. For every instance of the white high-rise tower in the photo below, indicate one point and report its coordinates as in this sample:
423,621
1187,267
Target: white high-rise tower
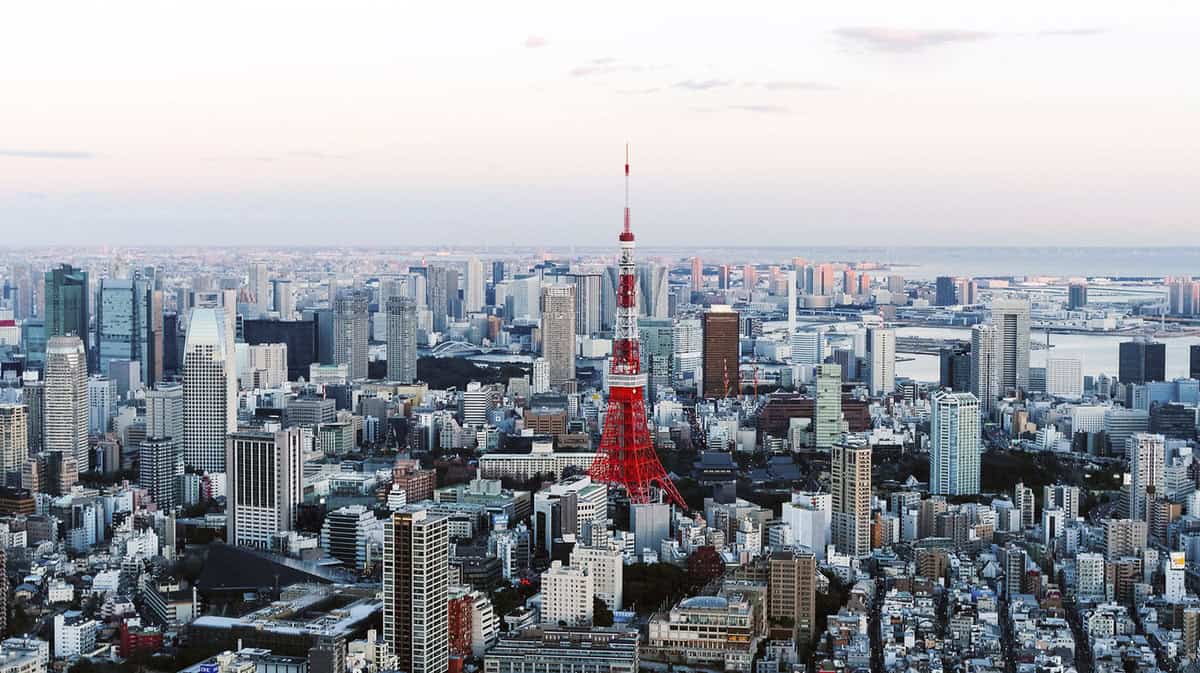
473,286
209,390
65,415
954,444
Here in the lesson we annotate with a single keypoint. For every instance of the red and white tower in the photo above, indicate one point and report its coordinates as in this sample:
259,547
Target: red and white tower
626,456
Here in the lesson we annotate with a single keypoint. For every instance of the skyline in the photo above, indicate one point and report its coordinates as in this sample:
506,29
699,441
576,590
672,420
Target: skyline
949,124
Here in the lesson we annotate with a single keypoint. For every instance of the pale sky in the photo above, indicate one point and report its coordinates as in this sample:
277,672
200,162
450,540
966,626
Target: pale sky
797,123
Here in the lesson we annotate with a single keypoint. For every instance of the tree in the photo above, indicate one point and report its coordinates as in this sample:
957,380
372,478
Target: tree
703,566
601,616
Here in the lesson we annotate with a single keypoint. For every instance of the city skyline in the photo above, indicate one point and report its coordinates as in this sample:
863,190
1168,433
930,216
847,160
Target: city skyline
949,124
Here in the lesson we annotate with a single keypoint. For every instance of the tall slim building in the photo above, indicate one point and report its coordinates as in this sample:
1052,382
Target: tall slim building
558,335
260,287
65,410
351,331
14,437
697,274
954,444
264,485
588,301
657,349
1194,362
473,286
881,345
792,592
67,302
1064,377
654,290
827,421
1077,296
850,483
985,366
416,560
401,339
209,390
1142,360
440,292
1147,461
944,291
283,298
1011,319
164,413
720,352
33,396
160,464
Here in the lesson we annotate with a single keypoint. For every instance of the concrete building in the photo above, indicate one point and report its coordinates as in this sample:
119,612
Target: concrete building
160,465
605,565
401,339
544,649
720,352
264,485
65,410
558,335
209,390
1064,377
351,332
809,520
850,484
345,535
828,425
881,348
954,444
985,366
1011,319
792,593
416,560
567,594
14,436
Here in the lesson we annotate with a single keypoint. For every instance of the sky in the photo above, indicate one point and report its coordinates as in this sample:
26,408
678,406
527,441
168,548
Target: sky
798,123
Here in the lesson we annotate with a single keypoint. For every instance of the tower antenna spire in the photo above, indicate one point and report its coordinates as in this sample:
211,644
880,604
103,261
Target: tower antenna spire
627,229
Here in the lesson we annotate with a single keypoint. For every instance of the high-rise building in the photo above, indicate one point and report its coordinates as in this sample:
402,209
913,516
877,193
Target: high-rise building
697,274
401,339
160,464
1077,296
954,444
688,353
653,288
283,298
558,335
605,565
808,346
351,331
828,426
1194,362
209,390
67,301
473,286
944,291
260,287
792,592
954,370
850,483
881,345
985,366
1064,377
720,352
1146,454
1124,537
567,594
346,535
1183,296
441,289
264,484
809,518
1010,316
65,409
416,560
1142,360
588,301
14,437
1061,496
657,349
33,396
164,412
102,403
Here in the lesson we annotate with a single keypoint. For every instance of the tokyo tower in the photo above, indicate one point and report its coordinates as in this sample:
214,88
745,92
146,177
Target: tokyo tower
626,456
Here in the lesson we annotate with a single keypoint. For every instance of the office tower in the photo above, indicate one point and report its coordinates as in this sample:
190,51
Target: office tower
438,291
1146,454
881,345
688,353
401,339
651,524
792,592
67,305
1141,361
723,277
1077,296
300,336
1010,316
475,403
967,290
473,286
697,274
720,352
160,464
1183,296
944,291
807,347
985,366
791,302
65,409
416,555
350,333
497,272
33,396
164,413
1061,496
346,535
1194,362
954,370
657,350
558,335
1064,377
823,280
849,281
749,277
24,279
827,422
119,323
654,289
102,403
954,444
283,299
588,301
14,437
1120,424
264,484
539,376
850,484
260,288
209,390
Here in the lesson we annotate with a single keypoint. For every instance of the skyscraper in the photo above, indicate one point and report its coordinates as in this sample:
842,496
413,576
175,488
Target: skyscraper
209,390
67,305
351,331
588,301
1011,318
65,411
473,286
283,298
954,444
265,483
954,370
401,339
1077,296
688,353
160,464
416,559
654,289
1146,454
944,294
1142,360
260,287
657,348
129,326
792,592
881,344
985,366
720,351
1064,377
558,335
850,483
827,424
14,436
697,274
438,291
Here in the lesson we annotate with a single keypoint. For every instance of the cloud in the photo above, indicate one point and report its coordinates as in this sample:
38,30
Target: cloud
606,66
315,154
45,154
703,85
639,92
762,109
1073,32
792,85
535,42
902,40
